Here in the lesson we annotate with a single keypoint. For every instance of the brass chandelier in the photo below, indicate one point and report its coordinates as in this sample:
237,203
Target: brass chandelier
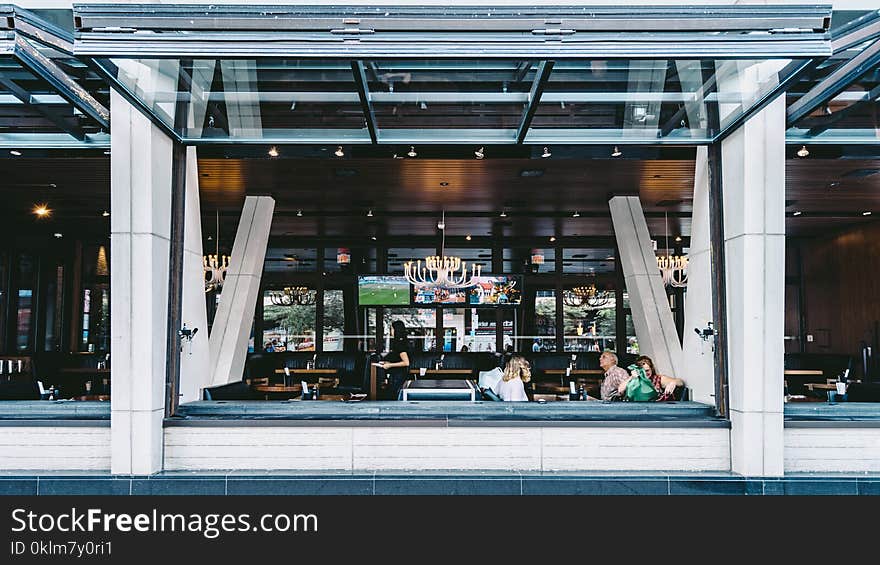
293,296
441,271
586,296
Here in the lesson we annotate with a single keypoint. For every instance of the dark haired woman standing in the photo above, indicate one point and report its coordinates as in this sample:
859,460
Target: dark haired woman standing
396,361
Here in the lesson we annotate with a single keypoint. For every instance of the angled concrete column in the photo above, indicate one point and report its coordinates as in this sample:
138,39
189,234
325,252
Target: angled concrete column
652,317
232,323
698,369
753,173
140,223
195,357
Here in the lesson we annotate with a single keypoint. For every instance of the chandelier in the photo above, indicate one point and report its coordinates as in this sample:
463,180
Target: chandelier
216,265
586,296
441,271
292,296
673,268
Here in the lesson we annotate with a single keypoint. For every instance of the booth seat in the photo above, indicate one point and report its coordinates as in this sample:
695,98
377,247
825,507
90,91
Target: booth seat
352,367
476,361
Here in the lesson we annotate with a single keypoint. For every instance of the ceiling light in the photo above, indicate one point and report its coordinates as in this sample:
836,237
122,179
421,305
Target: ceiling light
411,152
273,151
444,183
299,213
293,105
42,210
798,213
58,235
105,213
866,213
339,152
678,238
546,153
15,152
106,152
834,184
503,214
617,152
468,237
373,238
423,106
803,151
576,215
369,213
552,238
479,153
396,156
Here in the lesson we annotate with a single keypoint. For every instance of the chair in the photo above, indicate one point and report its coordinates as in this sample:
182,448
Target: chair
489,394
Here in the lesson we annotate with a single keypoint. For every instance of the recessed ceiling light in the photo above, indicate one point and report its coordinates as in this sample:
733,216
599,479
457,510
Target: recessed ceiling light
273,151
369,213
479,154
866,213
576,215
411,152
468,237
833,184
52,185
373,238
339,152
803,151
58,235
678,238
15,152
42,210
798,213
299,213
617,152
106,152
105,213
444,183
552,238
503,214
546,153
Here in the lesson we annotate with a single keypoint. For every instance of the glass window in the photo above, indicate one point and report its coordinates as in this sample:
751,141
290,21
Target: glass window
632,342
545,321
587,261
25,303
95,307
334,320
289,327
473,328
397,256
349,260
590,327
54,308
473,256
368,340
4,293
421,325
529,260
290,260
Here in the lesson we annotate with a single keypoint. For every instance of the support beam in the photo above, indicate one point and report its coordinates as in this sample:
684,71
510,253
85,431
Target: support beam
534,99
360,78
652,316
238,300
56,115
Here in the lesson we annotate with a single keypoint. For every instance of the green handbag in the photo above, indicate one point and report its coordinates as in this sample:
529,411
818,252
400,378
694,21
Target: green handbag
640,388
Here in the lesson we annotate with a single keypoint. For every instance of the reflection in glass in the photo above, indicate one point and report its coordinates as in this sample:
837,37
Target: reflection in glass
545,321
288,328
334,321
421,325
590,329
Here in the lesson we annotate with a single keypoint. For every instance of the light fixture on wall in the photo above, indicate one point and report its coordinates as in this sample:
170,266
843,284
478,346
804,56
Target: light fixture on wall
673,268
292,296
441,271
216,265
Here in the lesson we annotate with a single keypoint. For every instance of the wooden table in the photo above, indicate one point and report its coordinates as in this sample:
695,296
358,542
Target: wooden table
282,389
811,372
326,373
99,397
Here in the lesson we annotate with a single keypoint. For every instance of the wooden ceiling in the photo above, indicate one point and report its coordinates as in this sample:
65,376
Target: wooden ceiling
406,195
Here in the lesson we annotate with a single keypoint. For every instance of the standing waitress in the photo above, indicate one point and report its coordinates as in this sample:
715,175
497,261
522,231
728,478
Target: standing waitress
396,361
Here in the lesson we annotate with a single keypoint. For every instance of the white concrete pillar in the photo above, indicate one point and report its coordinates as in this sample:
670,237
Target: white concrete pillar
698,366
753,174
652,316
140,225
232,323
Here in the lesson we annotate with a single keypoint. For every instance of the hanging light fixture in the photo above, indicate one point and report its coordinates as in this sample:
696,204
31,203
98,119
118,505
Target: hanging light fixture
292,296
441,271
673,268
216,265
586,296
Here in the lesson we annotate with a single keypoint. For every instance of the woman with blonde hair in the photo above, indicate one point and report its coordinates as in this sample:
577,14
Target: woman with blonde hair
511,388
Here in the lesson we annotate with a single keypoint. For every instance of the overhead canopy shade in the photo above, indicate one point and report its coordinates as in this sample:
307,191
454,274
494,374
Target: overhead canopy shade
408,75
48,98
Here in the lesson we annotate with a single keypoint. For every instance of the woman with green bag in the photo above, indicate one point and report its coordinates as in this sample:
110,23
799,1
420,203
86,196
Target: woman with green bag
646,384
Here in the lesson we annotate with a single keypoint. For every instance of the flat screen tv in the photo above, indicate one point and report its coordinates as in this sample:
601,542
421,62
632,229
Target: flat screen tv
500,290
426,294
383,291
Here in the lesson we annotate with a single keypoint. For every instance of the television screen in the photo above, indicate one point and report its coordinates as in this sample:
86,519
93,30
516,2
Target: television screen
501,290
383,291
426,294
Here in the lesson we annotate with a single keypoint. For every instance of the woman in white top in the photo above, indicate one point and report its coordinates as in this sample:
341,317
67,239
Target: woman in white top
511,387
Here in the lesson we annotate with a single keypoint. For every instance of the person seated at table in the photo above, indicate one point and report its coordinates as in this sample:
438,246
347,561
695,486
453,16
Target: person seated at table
614,376
396,361
517,372
664,385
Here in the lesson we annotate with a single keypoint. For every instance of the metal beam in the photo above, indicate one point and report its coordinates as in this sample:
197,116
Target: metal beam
834,83
858,31
360,78
53,114
68,88
799,67
827,121
719,284
673,122
544,69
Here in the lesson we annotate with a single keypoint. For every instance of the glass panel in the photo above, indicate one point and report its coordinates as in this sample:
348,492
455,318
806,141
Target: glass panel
632,342
334,320
633,99
481,257
470,328
4,294
369,325
251,98
349,260
450,94
397,256
54,308
588,328
586,261
421,324
545,321
527,260
290,260
95,307
289,327
25,304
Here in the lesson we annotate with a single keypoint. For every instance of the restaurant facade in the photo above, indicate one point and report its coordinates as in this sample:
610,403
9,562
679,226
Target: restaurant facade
217,212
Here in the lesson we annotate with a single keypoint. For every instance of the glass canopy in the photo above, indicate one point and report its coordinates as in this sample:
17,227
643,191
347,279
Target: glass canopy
417,75
48,98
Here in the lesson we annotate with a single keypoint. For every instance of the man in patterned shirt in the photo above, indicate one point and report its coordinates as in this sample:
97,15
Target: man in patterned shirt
614,375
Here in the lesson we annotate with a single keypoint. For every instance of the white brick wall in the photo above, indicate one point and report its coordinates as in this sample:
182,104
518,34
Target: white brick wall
54,448
832,449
